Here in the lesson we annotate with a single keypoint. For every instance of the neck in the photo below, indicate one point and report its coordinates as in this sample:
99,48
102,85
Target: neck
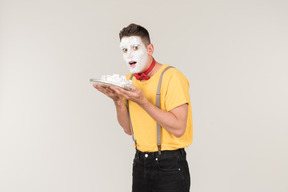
155,69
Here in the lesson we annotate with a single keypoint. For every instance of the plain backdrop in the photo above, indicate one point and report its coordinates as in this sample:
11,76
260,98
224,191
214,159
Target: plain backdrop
58,134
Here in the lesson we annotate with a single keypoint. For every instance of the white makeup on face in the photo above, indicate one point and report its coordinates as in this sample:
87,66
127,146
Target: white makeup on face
134,53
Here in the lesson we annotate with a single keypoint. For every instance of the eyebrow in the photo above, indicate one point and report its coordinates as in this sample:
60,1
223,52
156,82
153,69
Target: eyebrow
122,46
135,44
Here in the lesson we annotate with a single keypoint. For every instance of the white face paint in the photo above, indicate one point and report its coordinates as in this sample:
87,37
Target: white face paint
134,53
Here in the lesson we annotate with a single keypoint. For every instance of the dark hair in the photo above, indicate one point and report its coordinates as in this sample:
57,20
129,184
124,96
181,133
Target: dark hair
135,30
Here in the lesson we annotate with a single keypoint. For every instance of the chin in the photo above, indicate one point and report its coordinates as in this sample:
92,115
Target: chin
132,70
136,69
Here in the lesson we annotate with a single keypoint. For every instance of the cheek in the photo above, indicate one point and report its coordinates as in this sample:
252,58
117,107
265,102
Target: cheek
124,56
139,54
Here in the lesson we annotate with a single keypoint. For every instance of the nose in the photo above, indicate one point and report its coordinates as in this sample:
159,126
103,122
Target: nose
129,54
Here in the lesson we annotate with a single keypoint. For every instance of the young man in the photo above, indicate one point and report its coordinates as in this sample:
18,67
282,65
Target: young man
160,133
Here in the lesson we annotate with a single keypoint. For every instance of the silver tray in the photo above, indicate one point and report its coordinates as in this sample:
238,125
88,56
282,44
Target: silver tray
101,82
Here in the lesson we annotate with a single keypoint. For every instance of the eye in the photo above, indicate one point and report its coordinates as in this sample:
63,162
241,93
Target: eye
124,50
135,47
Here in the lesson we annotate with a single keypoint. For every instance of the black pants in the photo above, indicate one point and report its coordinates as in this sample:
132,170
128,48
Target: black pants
168,172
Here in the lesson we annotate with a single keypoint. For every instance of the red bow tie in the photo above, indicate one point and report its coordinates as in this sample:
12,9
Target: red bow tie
144,75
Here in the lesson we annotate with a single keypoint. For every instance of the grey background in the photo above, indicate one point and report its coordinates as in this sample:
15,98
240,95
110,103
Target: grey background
57,133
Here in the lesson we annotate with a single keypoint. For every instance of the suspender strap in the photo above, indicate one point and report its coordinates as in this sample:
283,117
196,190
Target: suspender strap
131,127
158,95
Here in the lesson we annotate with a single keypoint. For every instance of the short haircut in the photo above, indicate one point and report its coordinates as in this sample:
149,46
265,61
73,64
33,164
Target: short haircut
135,30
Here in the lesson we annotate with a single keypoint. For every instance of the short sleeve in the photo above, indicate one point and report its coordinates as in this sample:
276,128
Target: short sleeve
177,91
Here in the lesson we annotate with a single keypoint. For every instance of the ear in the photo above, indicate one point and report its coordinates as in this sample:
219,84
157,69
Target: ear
150,49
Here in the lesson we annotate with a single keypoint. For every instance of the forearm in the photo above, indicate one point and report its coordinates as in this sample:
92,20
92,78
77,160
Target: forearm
174,121
175,124
122,116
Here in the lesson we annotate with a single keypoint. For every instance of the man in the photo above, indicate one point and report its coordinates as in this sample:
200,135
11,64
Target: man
160,160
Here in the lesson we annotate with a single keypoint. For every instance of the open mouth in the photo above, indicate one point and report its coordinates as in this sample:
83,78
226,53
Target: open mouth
132,63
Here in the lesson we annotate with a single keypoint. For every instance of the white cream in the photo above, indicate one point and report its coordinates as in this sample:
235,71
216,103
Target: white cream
116,79
133,49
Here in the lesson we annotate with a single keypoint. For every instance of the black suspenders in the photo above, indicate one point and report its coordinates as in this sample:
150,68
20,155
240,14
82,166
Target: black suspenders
158,105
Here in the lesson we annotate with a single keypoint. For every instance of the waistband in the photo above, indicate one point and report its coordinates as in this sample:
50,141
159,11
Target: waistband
164,154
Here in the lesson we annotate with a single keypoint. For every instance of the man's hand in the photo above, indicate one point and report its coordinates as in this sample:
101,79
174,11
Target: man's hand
108,92
135,95
173,121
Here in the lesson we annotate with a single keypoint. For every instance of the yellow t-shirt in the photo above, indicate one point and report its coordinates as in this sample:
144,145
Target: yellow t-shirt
174,92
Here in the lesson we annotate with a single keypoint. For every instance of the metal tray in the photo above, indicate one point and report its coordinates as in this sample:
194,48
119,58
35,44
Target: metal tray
101,82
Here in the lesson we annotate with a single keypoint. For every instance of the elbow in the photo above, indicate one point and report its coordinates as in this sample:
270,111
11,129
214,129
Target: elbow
180,132
178,135
128,132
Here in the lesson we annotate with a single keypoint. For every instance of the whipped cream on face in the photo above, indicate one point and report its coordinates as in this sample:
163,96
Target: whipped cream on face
116,79
134,53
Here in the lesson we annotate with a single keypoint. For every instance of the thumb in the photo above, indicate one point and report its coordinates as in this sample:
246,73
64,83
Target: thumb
133,88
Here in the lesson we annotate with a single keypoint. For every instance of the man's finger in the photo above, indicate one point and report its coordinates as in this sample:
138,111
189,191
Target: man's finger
101,88
119,91
133,88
